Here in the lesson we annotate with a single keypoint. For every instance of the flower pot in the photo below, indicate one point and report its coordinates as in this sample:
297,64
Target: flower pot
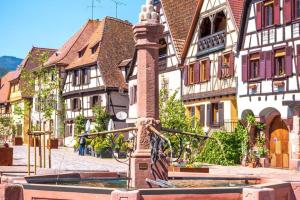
6,158
187,169
107,153
264,162
18,141
37,142
52,143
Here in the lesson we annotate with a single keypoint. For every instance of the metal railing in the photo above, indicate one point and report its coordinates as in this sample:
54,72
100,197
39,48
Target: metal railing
211,43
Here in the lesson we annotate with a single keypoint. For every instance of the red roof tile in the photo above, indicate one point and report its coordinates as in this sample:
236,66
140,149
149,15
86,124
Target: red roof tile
5,85
237,9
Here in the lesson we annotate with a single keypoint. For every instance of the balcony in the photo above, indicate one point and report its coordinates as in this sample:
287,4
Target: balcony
211,43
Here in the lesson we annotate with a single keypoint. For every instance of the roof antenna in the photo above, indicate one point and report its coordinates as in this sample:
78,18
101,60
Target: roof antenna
93,6
118,3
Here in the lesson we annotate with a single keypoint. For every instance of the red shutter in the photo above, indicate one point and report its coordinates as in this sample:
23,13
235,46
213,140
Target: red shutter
262,65
202,115
73,79
245,68
259,15
221,113
276,12
91,102
298,59
288,61
220,67
269,64
231,65
207,69
186,75
208,116
287,10
197,72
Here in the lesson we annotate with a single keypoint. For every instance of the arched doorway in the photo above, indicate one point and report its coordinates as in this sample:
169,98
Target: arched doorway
279,143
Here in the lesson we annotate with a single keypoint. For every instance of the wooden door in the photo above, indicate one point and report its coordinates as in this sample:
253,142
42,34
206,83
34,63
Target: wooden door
279,144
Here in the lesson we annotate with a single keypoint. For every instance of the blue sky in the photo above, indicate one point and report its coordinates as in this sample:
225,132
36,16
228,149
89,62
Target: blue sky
49,23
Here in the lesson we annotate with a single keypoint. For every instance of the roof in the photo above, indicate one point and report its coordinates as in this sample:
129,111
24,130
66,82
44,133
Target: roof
243,22
113,40
5,85
67,53
179,15
236,7
35,57
125,63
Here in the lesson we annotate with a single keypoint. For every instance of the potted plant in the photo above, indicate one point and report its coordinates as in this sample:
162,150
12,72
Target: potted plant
17,140
98,148
6,152
195,167
52,143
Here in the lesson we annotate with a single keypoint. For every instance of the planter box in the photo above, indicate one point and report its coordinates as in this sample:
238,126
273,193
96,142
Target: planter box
6,158
187,169
37,141
264,162
52,143
18,141
106,154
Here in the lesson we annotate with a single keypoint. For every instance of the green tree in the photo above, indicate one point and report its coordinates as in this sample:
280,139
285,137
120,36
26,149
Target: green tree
79,125
101,118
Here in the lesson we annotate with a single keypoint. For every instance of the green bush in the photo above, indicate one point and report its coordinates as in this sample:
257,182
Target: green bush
225,148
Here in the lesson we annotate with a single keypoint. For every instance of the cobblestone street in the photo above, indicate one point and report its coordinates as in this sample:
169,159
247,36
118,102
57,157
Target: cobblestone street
65,159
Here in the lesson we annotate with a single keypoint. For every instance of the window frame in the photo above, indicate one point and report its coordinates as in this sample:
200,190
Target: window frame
266,4
191,74
276,70
252,60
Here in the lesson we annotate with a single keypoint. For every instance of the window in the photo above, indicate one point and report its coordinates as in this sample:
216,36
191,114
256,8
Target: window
279,62
225,65
191,74
95,100
220,22
94,48
215,114
75,104
86,76
254,66
133,95
162,48
7,110
165,83
203,71
81,52
205,28
269,13
297,8
76,80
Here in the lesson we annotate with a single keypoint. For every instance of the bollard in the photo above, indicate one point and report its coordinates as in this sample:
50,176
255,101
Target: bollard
28,155
34,146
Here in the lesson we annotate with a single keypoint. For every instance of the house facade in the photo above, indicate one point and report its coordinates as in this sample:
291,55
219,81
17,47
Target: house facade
209,78
91,73
5,107
269,89
176,16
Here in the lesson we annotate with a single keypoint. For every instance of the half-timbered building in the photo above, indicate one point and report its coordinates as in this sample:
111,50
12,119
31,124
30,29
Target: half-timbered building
91,74
209,80
22,92
176,16
269,84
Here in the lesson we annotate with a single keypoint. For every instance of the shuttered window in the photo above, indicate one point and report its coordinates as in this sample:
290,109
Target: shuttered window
288,61
279,69
297,7
86,73
287,10
259,15
196,73
269,64
207,70
298,59
254,66
185,75
76,104
191,74
268,11
202,116
245,68
262,65
95,101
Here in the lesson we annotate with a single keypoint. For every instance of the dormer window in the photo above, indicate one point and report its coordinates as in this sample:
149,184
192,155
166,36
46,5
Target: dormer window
94,48
81,52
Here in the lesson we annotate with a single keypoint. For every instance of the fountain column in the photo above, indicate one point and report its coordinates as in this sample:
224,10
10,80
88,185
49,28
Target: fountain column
147,34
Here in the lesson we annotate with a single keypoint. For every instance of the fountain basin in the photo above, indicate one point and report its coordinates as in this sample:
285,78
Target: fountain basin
208,187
